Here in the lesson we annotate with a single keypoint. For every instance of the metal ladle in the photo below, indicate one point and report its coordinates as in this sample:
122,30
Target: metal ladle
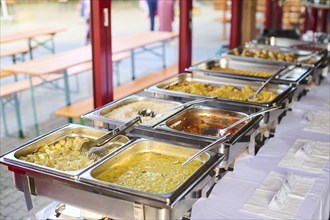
149,113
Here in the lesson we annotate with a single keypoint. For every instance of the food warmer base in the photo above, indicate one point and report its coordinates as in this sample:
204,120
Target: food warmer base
94,199
111,200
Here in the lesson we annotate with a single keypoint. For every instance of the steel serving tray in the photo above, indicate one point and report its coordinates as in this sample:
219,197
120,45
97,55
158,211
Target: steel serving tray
284,92
68,130
143,146
299,76
99,115
300,55
291,43
295,75
243,138
194,114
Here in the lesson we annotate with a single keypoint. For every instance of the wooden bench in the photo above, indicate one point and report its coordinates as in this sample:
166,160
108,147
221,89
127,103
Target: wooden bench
10,91
79,108
22,85
14,52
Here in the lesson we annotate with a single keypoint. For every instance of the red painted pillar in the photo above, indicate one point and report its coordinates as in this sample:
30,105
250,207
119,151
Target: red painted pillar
235,23
306,23
324,20
268,15
185,35
315,19
102,51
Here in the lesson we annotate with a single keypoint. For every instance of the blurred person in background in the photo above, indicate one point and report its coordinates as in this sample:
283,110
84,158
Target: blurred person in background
152,6
166,14
85,10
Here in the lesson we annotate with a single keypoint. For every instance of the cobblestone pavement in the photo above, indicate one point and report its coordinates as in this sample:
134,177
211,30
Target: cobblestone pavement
205,44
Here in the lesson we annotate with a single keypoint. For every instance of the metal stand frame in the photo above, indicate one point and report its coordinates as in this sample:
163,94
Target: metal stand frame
150,49
43,44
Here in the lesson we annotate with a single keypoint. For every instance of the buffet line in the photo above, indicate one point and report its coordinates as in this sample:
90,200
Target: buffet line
135,170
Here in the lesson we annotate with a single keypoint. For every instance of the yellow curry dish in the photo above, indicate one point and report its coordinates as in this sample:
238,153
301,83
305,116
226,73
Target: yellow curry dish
150,172
225,91
243,72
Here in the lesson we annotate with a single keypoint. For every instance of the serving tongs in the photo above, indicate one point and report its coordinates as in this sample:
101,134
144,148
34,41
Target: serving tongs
226,136
149,113
95,148
306,57
271,78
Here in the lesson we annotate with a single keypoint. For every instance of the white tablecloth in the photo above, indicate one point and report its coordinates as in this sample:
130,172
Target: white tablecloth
232,192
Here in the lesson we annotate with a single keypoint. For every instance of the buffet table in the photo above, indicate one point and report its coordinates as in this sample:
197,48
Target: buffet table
232,192
287,179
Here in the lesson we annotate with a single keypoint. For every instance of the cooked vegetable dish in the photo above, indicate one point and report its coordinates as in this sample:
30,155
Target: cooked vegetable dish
225,91
63,155
243,72
150,172
271,55
266,54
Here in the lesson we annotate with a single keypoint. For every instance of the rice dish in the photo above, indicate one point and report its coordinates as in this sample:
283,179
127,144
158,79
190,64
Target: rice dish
129,111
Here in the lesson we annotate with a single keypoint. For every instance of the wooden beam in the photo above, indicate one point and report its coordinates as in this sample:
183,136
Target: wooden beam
249,20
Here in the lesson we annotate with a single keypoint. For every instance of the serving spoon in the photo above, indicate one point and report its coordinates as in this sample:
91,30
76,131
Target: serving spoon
224,136
149,113
268,80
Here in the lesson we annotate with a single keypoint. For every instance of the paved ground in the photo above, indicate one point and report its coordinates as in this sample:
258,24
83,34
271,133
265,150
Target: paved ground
126,18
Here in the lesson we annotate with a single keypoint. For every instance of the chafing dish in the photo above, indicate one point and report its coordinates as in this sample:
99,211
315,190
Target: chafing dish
69,130
298,76
270,119
128,108
291,43
118,202
320,48
196,120
308,58
305,57
284,92
198,115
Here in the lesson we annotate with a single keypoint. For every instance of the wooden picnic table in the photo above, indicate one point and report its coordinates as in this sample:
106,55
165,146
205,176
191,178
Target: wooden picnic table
54,63
142,40
61,61
31,35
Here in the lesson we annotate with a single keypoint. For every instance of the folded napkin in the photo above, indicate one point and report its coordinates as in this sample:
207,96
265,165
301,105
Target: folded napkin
319,123
261,201
327,103
297,159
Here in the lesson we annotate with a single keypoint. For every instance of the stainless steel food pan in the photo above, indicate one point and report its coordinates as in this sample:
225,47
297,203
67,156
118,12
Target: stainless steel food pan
240,139
172,200
69,130
160,90
99,115
291,43
302,55
186,121
297,75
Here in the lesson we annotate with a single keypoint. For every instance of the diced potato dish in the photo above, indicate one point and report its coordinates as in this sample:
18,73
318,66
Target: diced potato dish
63,155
